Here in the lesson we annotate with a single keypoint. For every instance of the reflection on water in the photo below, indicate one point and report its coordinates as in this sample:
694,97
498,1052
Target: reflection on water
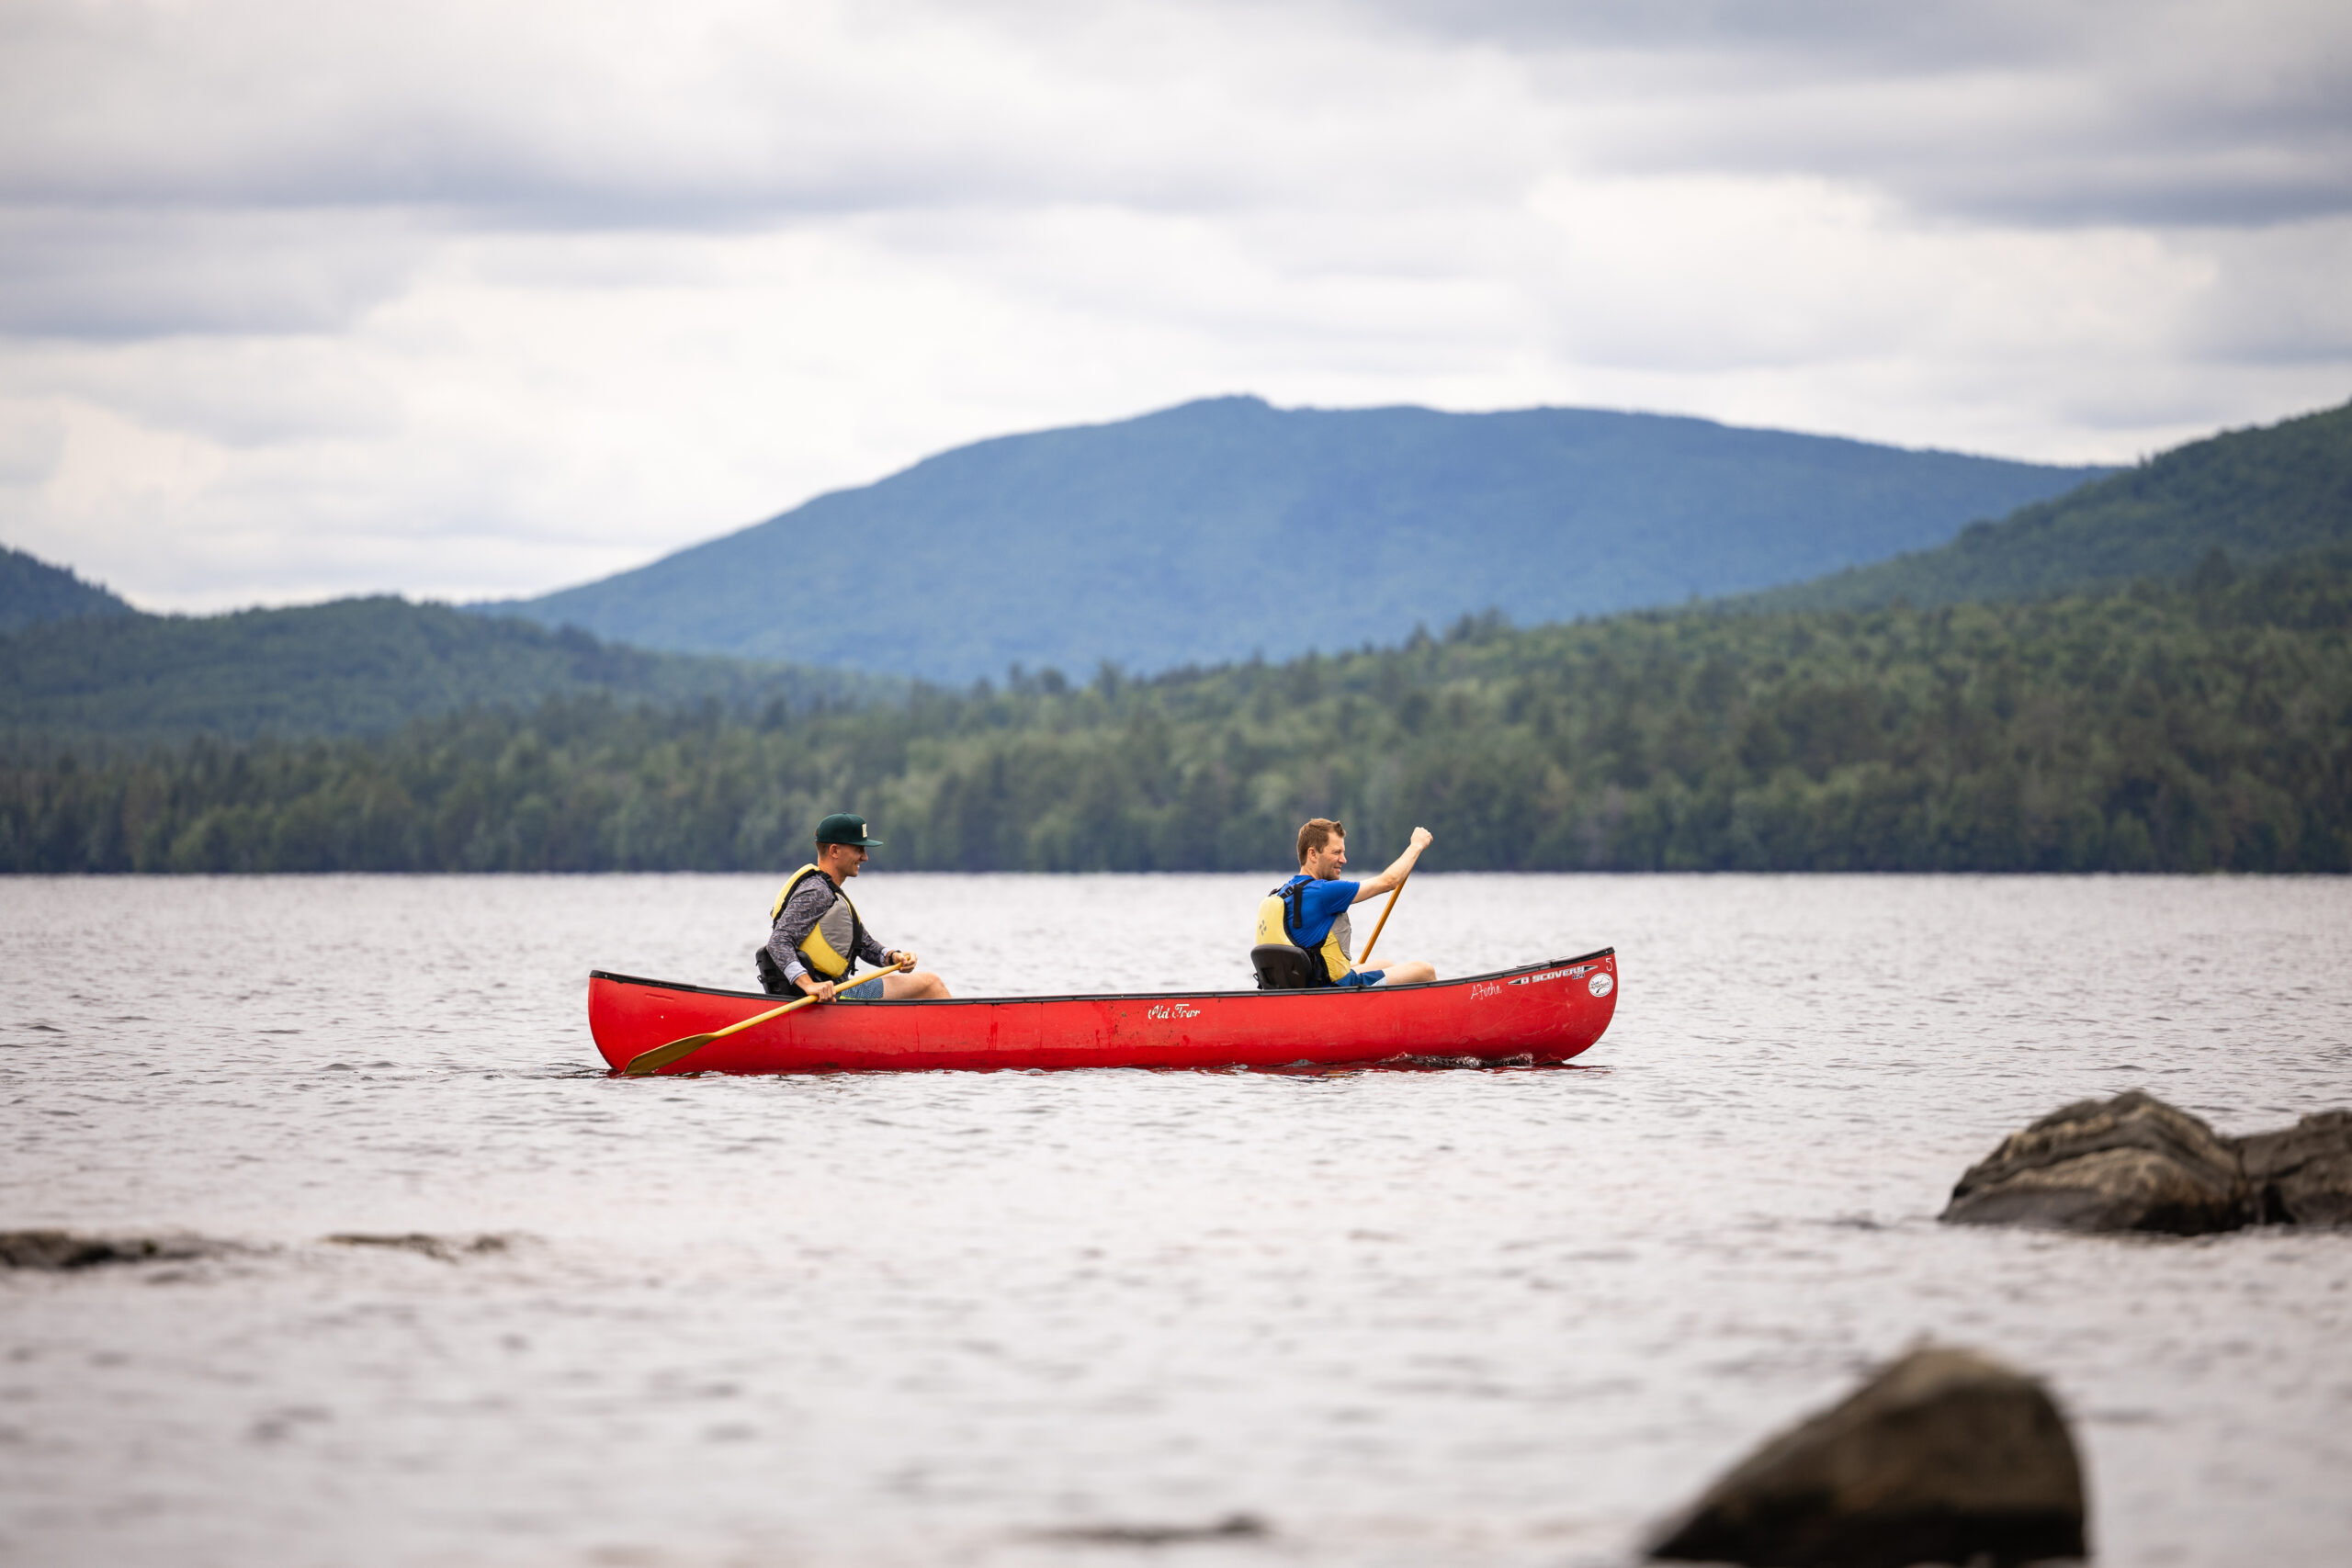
1470,1318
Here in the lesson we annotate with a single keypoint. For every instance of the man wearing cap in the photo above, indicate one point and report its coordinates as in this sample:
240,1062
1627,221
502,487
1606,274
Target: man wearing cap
815,939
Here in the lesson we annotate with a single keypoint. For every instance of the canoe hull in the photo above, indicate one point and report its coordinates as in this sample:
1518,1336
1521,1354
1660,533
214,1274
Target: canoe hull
1538,1013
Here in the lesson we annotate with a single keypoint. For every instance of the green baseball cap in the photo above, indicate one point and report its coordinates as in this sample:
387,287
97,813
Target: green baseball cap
845,828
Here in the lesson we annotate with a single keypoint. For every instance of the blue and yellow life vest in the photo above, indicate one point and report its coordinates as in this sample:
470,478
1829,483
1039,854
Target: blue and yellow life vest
1279,920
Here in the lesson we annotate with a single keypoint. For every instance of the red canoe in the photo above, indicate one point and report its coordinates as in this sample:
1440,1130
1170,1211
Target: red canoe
1538,1013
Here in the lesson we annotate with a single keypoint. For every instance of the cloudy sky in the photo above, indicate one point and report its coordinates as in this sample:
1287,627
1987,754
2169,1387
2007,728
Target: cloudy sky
304,298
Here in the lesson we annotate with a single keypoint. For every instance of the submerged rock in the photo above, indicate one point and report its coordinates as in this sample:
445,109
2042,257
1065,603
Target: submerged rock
2128,1164
1944,1456
1233,1527
442,1248
2301,1175
60,1250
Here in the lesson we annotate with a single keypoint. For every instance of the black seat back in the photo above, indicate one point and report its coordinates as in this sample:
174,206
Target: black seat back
1281,967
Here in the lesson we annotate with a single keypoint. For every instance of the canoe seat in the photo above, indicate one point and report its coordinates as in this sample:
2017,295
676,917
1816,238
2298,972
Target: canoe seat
1280,966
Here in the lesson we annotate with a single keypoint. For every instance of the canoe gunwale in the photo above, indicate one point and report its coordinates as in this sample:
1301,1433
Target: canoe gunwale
1322,991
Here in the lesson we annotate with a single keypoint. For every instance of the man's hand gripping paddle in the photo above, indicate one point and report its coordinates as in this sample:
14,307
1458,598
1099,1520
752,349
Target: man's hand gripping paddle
661,1057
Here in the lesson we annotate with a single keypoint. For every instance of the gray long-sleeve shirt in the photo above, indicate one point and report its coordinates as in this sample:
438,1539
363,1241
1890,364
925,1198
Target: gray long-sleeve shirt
799,915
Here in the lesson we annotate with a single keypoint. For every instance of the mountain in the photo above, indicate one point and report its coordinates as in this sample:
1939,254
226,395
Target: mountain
33,592
1205,532
354,667
2257,495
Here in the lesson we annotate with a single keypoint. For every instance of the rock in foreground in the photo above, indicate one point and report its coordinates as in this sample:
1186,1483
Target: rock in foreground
61,1250
2301,1175
2128,1164
1945,1456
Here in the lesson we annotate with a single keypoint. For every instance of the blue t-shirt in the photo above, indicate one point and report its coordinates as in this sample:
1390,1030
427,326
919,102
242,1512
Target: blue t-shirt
1320,903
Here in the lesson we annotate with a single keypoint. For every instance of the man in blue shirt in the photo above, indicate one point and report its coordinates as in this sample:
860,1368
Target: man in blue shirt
1310,911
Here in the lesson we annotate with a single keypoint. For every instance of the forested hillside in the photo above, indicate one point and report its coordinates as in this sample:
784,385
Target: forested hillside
1200,533
2186,727
354,667
2256,494
33,592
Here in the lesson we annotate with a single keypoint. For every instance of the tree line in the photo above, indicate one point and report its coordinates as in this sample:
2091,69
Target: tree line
350,666
2194,726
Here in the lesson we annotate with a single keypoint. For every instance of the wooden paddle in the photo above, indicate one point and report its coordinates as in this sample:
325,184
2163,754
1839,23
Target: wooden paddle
1365,961
661,1057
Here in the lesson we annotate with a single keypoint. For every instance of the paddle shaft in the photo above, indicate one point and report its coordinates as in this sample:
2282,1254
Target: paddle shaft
661,1057
1365,961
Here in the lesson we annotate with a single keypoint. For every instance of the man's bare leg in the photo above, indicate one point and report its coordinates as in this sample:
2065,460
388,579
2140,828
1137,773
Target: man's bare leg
1408,972
922,986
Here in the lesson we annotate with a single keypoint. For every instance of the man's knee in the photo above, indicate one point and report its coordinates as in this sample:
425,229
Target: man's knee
920,986
1411,972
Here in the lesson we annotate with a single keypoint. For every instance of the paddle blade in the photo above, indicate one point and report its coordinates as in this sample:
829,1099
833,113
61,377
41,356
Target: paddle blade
661,1057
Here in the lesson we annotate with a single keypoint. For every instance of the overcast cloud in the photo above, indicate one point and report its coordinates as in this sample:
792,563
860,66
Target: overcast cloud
309,298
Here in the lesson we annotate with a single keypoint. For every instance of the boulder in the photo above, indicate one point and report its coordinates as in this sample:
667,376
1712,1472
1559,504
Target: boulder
2128,1164
2301,1175
1944,1456
60,1250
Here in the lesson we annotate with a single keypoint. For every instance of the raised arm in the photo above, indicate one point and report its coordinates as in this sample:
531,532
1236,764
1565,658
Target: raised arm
1394,876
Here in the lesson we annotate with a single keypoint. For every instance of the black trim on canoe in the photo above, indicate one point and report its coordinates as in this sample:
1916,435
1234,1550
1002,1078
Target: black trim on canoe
1122,995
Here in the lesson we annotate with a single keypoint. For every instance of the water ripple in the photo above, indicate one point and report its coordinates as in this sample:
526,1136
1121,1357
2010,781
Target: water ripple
1489,1317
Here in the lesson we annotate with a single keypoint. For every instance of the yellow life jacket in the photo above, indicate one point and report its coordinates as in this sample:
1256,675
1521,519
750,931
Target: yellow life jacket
1279,921
830,950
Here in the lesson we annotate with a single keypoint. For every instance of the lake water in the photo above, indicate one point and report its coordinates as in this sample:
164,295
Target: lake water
1469,1317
